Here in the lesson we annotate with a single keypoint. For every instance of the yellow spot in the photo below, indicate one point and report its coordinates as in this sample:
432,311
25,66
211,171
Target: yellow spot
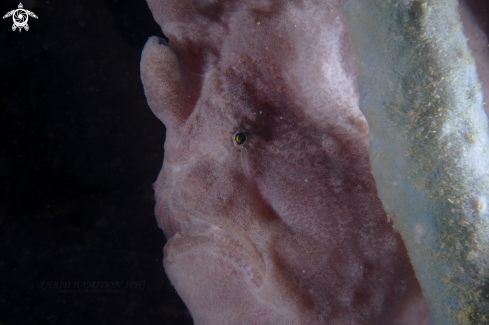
481,205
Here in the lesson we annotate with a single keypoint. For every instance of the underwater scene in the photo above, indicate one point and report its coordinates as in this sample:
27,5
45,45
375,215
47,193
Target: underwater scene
244,162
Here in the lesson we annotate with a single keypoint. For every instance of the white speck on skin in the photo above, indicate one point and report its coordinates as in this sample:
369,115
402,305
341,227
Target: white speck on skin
481,204
419,231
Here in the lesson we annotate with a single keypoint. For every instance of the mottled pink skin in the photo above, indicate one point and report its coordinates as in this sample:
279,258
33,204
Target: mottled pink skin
286,228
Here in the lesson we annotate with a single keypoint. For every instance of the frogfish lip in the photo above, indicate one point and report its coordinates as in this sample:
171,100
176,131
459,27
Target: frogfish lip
192,234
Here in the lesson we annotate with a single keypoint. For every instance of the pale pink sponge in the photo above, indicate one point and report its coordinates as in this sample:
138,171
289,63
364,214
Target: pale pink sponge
266,195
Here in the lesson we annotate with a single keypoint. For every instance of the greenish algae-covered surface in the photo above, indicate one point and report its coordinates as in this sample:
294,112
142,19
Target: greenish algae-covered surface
420,93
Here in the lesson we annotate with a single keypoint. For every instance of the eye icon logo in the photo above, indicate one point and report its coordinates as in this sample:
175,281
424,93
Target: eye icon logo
20,17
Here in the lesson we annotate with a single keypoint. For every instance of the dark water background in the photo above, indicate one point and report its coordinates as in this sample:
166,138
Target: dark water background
79,150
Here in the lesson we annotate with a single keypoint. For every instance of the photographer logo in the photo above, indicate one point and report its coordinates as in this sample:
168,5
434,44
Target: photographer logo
20,17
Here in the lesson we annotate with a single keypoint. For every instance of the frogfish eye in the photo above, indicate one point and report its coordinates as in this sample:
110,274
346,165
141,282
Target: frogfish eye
240,138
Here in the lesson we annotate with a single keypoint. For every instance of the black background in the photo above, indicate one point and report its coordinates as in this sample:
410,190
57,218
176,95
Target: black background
79,150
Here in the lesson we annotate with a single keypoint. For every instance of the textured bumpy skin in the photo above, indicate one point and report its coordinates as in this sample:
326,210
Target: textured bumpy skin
421,95
286,228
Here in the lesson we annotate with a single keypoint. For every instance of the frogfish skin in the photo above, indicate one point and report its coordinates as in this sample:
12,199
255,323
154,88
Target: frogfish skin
267,194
